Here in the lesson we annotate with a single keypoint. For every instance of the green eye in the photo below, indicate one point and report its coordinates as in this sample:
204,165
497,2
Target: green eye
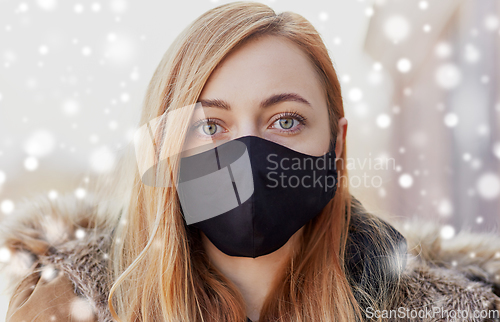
286,123
209,128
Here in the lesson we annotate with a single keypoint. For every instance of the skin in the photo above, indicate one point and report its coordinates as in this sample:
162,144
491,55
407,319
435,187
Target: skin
252,73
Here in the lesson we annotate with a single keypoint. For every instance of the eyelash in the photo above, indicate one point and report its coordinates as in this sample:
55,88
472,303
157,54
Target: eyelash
202,121
287,114
291,114
206,120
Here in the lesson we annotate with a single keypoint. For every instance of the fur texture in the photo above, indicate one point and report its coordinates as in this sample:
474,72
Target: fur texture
66,235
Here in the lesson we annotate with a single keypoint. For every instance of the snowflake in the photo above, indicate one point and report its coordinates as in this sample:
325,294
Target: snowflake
448,76
102,159
7,206
397,28
81,309
447,232
48,273
383,120
80,193
405,180
488,186
404,65
451,119
40,143
355,94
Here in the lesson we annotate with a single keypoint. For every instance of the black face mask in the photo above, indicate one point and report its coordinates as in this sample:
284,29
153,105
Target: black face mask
250,195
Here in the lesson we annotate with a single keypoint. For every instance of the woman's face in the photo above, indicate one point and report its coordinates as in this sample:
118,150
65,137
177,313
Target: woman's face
266,88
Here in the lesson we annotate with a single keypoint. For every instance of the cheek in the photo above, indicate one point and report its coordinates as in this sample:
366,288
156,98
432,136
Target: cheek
319,139
316,140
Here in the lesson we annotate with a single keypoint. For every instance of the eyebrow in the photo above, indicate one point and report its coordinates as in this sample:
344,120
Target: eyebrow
272,100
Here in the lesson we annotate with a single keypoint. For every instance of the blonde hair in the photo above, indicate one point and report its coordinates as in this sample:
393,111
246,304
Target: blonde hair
161,272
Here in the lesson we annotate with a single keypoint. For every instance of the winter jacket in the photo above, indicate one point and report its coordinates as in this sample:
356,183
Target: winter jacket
55,258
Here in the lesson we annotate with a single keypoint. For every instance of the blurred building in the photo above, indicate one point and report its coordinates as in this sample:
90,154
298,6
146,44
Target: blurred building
444,61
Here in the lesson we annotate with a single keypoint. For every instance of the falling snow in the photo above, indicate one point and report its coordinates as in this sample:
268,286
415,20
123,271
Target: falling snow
80,233
383,120
488,185
31,163
451,119
397,28
40,143
496,150
355,94
125,97
80,193
405,180
472,54
118,6
443,49
3,177
323,16
445,207
86,51
102,159
423,5
5,255
53,194
374,77
78,8
345,78
48,273
7,206
119,49
70,107
43,50
448,76
48,5
81,309
491,22
96,7
113,125
134,75
447,232
404,65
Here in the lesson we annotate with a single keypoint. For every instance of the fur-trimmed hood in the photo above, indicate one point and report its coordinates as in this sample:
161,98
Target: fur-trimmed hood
65,235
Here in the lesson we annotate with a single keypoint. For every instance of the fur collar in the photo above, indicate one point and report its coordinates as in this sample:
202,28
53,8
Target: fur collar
462,273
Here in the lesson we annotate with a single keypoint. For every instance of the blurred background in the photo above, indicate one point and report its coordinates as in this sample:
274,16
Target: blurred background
420,81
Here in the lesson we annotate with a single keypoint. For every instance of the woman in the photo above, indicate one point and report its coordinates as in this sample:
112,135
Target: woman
246,85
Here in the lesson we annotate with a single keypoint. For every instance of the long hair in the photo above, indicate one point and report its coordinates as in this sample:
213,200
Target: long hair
161,272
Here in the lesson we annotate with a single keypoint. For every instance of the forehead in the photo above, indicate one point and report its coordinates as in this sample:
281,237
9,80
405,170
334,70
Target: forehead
264,65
